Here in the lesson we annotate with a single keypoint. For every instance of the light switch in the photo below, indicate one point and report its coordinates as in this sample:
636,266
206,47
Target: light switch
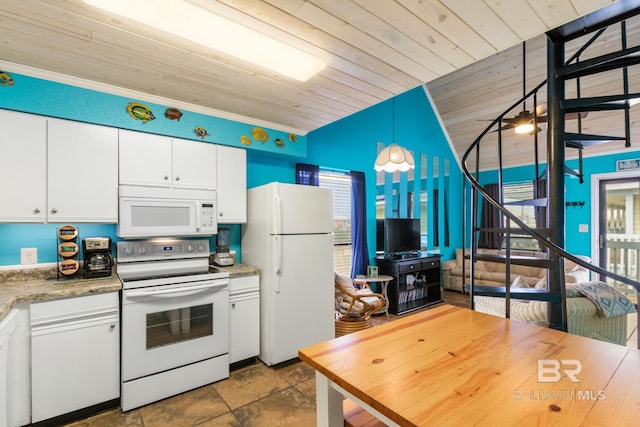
583,228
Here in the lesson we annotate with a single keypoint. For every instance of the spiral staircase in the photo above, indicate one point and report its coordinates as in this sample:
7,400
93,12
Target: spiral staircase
560,72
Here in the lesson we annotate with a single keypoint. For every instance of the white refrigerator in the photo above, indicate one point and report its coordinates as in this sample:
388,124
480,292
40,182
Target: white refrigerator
289,237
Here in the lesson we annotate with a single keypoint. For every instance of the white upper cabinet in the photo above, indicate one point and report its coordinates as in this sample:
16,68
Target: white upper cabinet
145,159
57,170
82,172
194,164
159,161
232,185
23,167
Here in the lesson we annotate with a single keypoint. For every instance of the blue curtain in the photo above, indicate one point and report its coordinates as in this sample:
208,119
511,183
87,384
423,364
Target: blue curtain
307,174
359,253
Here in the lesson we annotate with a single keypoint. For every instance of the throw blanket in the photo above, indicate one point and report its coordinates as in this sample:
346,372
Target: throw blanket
609,301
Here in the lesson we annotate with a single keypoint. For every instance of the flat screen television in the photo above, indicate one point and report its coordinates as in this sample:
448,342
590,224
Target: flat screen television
401,235
379,236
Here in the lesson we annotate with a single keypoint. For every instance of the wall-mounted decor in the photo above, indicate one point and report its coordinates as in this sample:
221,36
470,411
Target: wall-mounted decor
279,142
575,203
624,165
139,111
5,79
245,140
200,132
173,114
293,137
260,135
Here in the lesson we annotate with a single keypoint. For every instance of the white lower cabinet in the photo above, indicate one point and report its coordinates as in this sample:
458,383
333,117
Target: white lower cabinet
244,309
75,354
19,375
15,387
8,327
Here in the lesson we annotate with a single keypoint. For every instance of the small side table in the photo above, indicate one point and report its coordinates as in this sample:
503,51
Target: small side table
383,279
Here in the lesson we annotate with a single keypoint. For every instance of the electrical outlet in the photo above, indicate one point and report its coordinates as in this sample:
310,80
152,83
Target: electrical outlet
29,256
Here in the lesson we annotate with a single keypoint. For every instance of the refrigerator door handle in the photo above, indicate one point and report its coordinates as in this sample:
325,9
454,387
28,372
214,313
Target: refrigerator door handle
277,214
278,263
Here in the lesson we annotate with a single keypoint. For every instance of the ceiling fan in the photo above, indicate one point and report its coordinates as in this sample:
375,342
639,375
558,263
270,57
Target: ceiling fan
525,121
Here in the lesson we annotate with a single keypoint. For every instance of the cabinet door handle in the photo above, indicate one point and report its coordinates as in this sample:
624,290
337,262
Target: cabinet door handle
54,211
36,211
112,326
177,178
166,177
233,305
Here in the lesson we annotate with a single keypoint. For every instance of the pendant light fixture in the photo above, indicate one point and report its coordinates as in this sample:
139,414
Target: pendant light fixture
394,157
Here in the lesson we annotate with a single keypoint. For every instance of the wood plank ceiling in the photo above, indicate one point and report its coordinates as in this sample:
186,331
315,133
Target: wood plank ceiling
467,51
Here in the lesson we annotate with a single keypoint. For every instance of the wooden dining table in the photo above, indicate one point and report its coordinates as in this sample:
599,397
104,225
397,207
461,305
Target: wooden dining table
454,366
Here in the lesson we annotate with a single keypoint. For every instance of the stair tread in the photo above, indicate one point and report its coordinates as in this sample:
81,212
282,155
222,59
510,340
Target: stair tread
514,293
531,261
597,103
514,230
579,140
541,201
609,61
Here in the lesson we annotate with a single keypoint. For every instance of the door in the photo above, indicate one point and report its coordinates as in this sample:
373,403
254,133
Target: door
194,164
301,300
301,209
82,172
74,354
145,159
232,196
619,229
23,166
164,327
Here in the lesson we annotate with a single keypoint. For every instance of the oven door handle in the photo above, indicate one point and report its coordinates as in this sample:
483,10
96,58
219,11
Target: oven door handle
181,291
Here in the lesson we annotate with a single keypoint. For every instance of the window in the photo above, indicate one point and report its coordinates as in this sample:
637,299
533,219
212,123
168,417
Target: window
340,183
526,213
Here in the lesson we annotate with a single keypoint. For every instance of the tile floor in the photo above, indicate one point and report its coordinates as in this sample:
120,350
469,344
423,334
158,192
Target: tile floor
254,395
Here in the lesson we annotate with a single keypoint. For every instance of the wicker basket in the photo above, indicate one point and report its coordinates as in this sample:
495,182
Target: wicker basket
346,325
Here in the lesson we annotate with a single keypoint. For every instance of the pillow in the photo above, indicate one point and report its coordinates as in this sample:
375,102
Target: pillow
345,281
542,284
519,282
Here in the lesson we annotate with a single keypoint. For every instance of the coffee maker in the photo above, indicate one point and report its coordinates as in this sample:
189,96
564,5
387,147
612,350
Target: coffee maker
222,256
97,256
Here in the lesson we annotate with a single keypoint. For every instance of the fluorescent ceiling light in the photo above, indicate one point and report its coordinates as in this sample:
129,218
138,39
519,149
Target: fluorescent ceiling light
200,26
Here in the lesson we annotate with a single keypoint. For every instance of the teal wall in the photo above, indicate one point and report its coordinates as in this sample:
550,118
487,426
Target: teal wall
348,144
576,242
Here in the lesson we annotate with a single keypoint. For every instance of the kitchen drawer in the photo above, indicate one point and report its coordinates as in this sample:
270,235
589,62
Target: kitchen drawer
409,267
243,284
426,264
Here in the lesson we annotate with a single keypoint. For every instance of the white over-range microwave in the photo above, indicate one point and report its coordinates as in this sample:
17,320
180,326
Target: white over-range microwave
162,212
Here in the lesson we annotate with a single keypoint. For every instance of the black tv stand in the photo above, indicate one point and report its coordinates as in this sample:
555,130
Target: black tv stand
416,281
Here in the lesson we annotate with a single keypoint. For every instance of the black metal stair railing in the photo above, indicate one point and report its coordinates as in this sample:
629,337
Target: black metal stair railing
541,236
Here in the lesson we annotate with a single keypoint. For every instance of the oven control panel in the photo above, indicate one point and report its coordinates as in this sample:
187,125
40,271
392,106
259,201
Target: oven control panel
150,250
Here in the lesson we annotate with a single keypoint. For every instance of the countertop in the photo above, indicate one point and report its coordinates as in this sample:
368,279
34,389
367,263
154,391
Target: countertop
41,284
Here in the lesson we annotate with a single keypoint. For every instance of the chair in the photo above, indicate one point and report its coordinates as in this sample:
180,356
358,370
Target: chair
354,306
